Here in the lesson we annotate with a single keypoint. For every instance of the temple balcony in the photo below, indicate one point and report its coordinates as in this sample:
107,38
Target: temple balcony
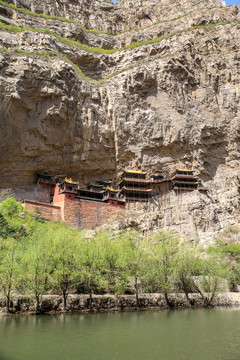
159,181
179,176
136,199
185,188
65,190
179,182
126,188
133,180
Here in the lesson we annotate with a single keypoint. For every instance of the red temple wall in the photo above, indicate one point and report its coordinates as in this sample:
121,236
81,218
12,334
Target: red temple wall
84,213
47,211
94,214
75,212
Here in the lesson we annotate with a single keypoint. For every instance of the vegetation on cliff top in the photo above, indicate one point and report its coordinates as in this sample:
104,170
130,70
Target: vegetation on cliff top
39,257
52,17
94,31
97,50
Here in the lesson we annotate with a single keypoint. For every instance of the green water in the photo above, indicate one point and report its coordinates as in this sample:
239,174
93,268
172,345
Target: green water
165,335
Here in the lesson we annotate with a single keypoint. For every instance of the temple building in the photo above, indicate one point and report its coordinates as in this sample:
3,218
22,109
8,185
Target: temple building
134,186
86,208
105,183
160,184
46,179
65,189
63,199
94,192
45,187
68,186
100,191
114,197
157,178
185,180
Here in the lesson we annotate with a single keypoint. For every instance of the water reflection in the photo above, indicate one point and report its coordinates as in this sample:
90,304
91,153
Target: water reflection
205,334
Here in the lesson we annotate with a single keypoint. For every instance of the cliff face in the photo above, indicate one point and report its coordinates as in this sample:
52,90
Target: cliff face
136,83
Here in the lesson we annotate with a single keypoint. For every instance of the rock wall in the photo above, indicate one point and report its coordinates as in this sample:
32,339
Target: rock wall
151,84
54,303
194,215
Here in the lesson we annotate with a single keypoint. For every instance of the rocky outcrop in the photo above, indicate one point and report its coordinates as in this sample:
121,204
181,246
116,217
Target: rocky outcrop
161,94
195,215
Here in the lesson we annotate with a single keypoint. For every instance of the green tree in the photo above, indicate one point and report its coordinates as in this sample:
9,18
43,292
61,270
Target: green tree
234,278
11,208
163,261
233,250
5,229
116,274
187,267
9,267
36,263
13,218
214,274
93,267
134,258
110,256
113,271
65,264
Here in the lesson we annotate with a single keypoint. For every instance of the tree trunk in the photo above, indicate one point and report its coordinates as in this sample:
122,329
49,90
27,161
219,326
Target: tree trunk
90,302
185,287
136,288
214,291
189,301
137,299
64,300
117,301
8,302
167,299
37,303
204,298
186,292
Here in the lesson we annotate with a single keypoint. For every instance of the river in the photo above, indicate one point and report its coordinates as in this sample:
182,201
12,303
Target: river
204,334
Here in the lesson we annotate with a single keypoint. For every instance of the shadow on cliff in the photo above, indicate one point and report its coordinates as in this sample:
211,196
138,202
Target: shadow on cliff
3,116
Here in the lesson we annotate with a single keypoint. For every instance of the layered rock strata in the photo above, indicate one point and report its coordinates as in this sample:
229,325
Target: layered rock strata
151,84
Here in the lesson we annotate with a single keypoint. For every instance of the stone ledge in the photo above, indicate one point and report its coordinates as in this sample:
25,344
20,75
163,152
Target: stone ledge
81,303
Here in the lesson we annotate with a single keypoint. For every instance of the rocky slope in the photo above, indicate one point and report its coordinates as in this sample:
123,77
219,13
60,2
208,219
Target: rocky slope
151,84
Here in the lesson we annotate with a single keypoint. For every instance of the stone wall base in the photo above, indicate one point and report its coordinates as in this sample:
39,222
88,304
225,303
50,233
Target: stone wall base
54,303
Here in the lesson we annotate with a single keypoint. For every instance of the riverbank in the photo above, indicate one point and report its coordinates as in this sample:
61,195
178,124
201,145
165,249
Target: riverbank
81,303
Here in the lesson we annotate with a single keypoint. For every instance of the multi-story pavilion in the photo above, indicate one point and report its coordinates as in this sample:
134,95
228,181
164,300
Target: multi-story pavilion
184,180
67,185
134,186
113,197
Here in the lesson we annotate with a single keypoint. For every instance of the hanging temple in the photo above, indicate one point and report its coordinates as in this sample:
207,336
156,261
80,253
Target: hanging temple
94,204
